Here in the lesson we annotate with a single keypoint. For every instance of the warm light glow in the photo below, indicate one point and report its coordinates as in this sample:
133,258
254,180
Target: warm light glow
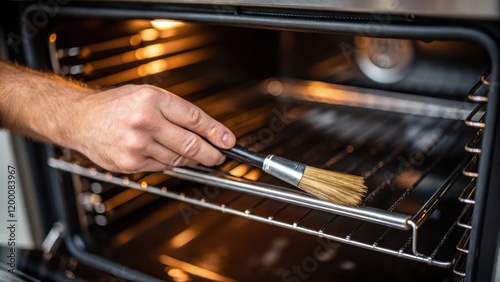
165,24
192,269
157,66
183,238
408,178
144,185
88,68
150,51
145,224
52,38
135,39
240,170
177,274
95,199
85,52
254,174
149,34
122,198
322,92
152,67
349,149
275,87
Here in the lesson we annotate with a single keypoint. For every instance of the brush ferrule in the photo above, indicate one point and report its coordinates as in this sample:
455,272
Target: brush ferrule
284,169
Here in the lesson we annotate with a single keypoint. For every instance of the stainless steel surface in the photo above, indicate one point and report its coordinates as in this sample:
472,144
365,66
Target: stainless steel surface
368,214
467,195
479,93
289,171
476,117
482,9
372,99
384,60
470,169
53,238
474,145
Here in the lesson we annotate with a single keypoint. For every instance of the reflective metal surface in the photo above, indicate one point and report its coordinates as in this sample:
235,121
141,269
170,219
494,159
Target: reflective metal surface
460,9
286,170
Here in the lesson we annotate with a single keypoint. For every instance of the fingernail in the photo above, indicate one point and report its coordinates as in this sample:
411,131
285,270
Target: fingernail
227,140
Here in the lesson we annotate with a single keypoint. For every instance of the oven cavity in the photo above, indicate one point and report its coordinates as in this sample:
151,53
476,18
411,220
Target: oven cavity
394,111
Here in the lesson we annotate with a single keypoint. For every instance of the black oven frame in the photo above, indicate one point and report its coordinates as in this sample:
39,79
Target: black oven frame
486,230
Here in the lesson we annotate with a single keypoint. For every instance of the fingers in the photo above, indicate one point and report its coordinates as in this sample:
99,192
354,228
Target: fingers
192,118
167,157
151,164
157,130
188,145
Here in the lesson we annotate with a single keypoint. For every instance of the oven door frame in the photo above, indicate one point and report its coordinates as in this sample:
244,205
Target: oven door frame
486,229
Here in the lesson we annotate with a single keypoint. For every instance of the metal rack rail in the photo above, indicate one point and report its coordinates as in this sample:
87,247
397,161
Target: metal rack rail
479,95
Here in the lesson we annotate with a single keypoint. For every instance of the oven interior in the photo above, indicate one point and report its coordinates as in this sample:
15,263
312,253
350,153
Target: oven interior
397,111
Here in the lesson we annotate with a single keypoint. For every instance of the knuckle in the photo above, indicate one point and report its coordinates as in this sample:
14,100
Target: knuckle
212,130
178,161
147,95
192,146
139,119
148,92
194,117
129,164
134,143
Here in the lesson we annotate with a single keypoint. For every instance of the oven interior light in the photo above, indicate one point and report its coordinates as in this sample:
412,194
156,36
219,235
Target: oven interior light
165,24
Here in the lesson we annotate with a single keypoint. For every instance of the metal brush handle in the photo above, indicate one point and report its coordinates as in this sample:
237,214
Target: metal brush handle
284,169
242,154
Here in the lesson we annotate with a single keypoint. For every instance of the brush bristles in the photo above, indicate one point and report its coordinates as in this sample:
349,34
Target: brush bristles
340,188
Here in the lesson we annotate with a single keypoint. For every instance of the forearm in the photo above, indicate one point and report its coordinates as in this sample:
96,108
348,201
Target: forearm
38,105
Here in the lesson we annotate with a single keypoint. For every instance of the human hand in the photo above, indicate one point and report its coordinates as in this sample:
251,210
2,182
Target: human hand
144,128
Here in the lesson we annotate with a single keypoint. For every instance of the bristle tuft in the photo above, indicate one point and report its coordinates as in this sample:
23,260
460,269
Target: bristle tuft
340,188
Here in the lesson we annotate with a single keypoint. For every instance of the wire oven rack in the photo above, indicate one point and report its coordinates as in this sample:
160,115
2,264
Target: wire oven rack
478,94
405,149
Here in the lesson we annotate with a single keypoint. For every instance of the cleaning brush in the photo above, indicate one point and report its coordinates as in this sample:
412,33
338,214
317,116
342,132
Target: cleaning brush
337,187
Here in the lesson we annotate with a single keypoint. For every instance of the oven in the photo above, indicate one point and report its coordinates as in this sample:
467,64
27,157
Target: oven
401,93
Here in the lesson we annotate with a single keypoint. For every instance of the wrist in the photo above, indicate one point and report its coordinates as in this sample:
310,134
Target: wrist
72,111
